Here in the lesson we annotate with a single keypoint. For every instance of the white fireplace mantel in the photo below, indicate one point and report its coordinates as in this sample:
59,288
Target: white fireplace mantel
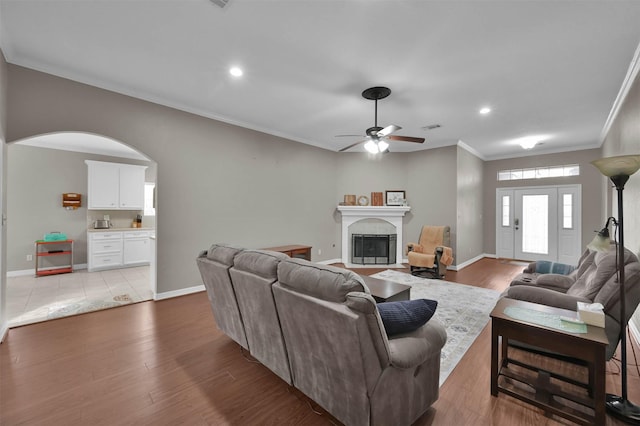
352,214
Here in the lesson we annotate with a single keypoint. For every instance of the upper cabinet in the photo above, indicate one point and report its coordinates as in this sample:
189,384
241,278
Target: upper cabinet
115,186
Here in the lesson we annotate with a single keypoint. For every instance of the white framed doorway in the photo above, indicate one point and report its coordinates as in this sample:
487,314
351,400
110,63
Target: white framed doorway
539,223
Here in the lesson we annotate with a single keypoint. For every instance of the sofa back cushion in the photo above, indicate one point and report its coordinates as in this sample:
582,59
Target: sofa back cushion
327,319
321,281
214,266
253,274
594,274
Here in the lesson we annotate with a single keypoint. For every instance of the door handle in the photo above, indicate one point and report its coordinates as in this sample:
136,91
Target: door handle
516,222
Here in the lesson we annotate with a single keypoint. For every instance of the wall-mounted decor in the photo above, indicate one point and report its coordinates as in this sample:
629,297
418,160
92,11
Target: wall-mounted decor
71,200
377,199
395,198
349,200
363,200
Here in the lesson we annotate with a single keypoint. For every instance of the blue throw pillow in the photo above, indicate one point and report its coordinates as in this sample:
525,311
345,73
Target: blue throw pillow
406,315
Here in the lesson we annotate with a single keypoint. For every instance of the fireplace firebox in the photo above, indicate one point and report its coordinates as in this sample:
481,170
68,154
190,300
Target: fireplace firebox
373,249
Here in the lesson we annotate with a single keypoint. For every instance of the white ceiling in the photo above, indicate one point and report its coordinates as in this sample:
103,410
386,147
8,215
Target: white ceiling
550,68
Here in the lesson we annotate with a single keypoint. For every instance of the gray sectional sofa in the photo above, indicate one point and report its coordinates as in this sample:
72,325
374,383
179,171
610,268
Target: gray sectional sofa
318,328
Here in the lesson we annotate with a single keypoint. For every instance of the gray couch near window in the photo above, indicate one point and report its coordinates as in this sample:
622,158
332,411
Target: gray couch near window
317,327
594,280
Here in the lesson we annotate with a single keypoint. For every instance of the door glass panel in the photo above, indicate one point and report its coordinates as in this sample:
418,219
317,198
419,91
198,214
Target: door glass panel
567,211
505,210
535,224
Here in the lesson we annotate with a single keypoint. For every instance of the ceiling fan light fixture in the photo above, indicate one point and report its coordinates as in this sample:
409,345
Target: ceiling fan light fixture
383,146
372,147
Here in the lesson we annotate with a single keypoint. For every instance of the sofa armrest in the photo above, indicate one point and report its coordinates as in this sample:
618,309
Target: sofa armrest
409,350
544,296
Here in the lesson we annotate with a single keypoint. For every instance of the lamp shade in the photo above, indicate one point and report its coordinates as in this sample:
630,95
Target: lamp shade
625,165
600,243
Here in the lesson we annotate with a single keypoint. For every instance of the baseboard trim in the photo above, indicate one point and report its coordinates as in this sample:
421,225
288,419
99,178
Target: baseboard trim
4,329
470,261
635,333
330,261
25,272
181,292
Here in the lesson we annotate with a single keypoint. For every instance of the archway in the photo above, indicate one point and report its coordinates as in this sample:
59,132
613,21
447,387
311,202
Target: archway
39,170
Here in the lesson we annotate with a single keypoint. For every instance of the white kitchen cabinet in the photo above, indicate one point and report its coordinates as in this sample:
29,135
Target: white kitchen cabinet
137,248
117,249
115,186
104,250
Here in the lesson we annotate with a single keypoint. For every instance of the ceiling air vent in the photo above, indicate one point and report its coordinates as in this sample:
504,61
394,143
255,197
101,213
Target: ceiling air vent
430,127
221,3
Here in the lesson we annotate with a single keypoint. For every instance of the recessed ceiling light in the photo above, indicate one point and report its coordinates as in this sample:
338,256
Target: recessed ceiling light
236,71
485,110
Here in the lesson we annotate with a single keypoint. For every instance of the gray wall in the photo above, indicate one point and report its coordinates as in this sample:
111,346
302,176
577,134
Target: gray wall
589,179
470,203
623,138
431,185
36,180
216,182
3,188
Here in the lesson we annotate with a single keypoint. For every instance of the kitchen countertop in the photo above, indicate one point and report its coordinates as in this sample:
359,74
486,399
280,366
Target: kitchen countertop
120,229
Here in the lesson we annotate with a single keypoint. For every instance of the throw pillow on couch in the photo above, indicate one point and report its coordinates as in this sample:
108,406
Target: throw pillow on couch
406,316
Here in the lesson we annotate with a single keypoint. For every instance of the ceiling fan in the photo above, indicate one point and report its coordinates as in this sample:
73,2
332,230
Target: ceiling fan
376,135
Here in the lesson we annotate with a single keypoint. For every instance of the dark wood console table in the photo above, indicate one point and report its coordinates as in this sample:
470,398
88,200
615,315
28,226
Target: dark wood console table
586,349
295,250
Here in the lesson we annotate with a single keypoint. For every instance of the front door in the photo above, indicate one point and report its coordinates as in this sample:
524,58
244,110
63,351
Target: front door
539,223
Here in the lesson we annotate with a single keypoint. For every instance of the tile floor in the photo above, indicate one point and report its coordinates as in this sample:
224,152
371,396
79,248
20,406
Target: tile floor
31,299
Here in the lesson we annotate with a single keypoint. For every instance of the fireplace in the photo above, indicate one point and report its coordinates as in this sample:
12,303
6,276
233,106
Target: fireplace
354,215
373,249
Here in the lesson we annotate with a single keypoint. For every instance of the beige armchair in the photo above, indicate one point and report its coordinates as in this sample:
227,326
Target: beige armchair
432,254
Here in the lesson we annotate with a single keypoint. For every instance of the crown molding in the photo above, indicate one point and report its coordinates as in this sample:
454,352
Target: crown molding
627,83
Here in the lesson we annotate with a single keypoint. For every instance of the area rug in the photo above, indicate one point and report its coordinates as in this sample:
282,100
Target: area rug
463,309
85,306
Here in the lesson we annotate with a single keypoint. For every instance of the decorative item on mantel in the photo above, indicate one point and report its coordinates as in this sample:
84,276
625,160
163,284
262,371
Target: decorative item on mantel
377,199
395,197
349,200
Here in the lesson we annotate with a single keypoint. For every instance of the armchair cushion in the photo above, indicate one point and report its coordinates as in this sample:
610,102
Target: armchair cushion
406,315
417,248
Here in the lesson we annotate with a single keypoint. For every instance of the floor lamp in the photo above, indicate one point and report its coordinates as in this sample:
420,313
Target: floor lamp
618,169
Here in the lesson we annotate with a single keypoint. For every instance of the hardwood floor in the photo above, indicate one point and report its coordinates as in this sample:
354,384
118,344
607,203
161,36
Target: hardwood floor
165,363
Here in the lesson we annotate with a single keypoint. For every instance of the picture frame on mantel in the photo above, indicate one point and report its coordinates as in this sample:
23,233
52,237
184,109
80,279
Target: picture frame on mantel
394,198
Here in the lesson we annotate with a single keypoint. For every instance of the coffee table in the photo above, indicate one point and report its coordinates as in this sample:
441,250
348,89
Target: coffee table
585,349
387,291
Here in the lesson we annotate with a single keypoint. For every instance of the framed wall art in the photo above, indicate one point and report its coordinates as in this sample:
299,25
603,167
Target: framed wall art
394,198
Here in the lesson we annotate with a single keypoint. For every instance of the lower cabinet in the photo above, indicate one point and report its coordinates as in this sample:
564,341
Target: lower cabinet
114,249
136,248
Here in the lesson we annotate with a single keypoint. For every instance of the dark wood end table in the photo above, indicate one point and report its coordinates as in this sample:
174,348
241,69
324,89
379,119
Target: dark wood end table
295,250
387,291
589,348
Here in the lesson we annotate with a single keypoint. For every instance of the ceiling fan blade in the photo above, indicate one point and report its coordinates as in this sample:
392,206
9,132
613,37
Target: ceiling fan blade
405,139
350,146
345,136
388,130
